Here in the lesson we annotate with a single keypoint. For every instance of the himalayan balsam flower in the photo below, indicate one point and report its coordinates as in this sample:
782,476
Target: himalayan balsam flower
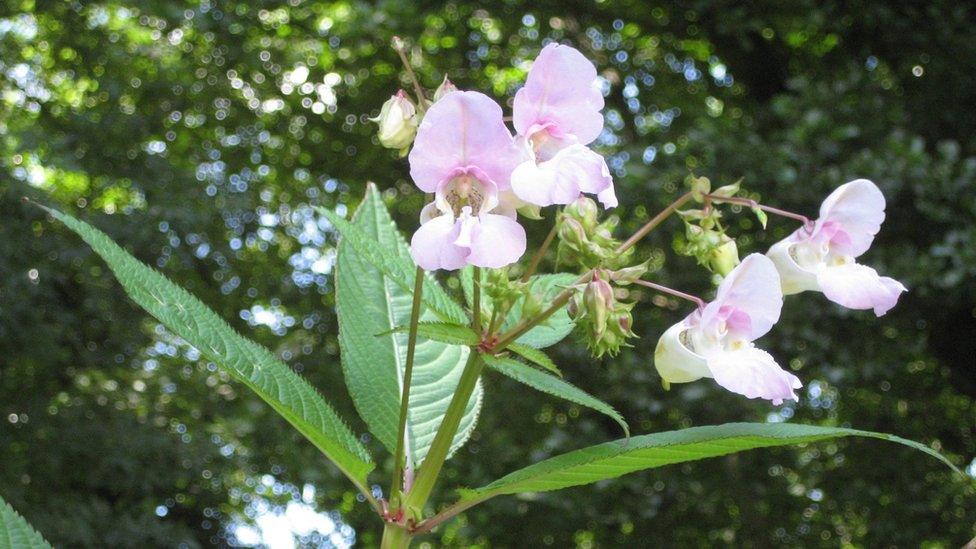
397,122
556,114
717,341
821,258
465,155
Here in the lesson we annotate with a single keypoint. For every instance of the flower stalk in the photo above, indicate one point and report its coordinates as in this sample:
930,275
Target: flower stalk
399,456
748,202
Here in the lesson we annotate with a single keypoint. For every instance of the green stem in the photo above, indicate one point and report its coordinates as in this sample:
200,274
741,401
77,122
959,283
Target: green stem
395,537
654,222
400,455
753,204
423,485
541,251
476,301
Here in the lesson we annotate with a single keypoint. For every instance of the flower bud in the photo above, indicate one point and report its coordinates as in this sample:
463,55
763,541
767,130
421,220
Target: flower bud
397,122
629,275
584,210
724,258
572,232
445,88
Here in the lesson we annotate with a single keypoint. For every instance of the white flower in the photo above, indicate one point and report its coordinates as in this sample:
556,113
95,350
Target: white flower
716,341
821,258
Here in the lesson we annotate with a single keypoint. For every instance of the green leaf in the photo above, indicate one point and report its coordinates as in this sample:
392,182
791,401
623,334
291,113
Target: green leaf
761,216
550,332
397,268
251,364
16,533
614,459
535,356
541,381
369,301
444,332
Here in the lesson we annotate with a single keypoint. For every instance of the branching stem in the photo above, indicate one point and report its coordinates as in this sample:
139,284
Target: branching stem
753,204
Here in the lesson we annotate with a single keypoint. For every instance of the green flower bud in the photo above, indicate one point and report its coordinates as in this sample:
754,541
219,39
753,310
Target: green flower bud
584,210
724,258
628,275
445,88
398,123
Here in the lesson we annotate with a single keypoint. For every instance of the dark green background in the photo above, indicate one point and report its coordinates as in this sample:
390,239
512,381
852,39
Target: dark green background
104,417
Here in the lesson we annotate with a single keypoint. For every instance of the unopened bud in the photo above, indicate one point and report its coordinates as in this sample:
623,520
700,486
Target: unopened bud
445,88
584,210
629,275
572,232
397,122
724,258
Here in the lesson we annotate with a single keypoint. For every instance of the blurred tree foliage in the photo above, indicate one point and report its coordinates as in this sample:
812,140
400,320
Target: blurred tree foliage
200,134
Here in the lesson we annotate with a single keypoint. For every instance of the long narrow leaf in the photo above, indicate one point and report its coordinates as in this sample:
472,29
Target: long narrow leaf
284,390
614,459
541,381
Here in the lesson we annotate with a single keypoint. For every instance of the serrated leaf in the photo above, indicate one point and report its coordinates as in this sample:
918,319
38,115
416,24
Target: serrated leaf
251,364
369,301
395,267
541,381
550,332
17,533
617,458
444,332
761,216
535,356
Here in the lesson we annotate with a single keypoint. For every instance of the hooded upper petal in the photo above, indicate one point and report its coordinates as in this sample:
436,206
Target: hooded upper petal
463,129
573,170
674,360
754,373
560,92
496,241
433,245
857,209
859,287
752,288
793,277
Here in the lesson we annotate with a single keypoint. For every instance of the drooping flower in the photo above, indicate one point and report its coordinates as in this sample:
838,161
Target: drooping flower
716,341
465,155
556,114
821,257
397,122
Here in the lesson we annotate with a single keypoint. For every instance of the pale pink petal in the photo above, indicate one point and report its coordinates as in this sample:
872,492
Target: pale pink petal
432,246
859,287
752,287
753,373
561,90
607,197
858,207
496,241
574,170
463,129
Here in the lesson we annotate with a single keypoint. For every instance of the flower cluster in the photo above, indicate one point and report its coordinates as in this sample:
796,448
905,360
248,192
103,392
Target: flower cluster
482,176
716,341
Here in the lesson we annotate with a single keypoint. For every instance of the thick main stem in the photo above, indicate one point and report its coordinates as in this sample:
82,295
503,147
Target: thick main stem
400,454
423,485
395,537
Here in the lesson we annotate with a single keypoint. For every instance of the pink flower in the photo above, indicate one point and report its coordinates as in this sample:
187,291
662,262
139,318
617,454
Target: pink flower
465,155
822,258
556,114
717,341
